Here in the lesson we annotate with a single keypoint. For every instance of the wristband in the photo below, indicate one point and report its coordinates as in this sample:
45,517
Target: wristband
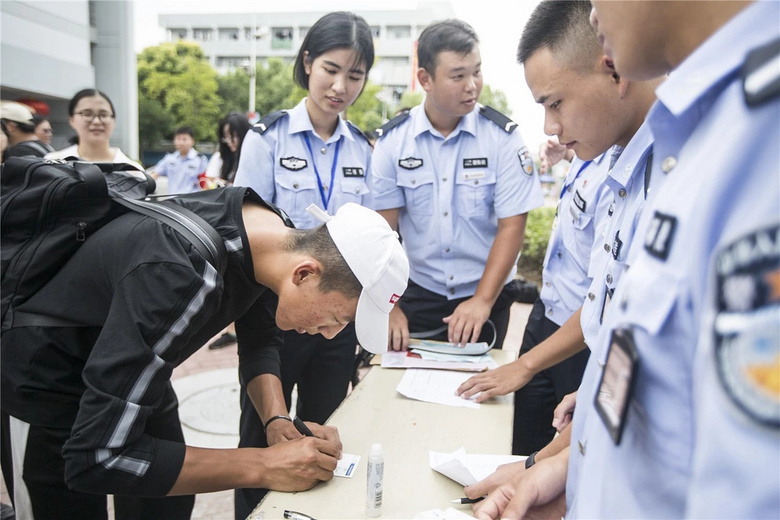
275,417
531,460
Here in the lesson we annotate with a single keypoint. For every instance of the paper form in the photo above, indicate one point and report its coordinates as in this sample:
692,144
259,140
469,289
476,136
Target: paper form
434,386
468,469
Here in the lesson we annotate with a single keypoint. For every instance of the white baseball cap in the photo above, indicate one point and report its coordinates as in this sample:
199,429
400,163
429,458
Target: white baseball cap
377,259
17,112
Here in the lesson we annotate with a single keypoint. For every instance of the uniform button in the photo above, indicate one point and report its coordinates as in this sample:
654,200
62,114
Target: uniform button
325,188
591,296
295,185
452,291
445,213
622,193
444,179
357,190
582,447
323,150
447,250
451,277
607,248
668,164
476,182
547,284
549,311
609,278
414,181
560,255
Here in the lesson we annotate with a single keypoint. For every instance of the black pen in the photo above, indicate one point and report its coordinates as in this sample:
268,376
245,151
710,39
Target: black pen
302,427
295,515
466,500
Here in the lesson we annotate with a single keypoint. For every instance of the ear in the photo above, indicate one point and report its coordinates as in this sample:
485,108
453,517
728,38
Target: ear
307,270
307,63
607,66
425,79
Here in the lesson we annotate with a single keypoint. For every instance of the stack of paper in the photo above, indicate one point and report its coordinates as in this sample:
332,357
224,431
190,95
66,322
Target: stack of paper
433,360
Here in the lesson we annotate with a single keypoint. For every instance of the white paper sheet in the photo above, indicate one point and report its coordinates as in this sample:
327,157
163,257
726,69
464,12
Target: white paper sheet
468,469
448,514
346,466
434,386
402,359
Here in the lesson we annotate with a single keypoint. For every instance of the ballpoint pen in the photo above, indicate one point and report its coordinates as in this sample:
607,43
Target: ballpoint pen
466,500
301,427
295,515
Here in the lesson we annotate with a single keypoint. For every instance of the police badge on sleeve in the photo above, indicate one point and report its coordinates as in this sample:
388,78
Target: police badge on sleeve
526,161
747,324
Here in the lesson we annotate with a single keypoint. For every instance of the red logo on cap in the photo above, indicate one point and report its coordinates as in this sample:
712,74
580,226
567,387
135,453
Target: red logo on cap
394,298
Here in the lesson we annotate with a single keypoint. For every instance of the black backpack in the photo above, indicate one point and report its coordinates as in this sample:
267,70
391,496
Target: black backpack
48,208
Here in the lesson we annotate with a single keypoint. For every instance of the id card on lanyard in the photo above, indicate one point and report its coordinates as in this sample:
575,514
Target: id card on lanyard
616,387
329,187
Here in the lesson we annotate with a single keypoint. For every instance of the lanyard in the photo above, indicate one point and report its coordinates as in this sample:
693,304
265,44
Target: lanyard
567,186
325,200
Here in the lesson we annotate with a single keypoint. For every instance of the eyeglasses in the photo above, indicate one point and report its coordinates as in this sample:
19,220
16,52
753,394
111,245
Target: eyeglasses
89,115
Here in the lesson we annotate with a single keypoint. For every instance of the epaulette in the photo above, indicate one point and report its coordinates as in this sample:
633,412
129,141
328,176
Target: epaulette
355,129
498,118
268,121
761,74
397,120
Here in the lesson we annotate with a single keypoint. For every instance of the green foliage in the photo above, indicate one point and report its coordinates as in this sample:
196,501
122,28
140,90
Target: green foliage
155,123
366,111
537,234
276,89
411,99
233,91
496,99
178,76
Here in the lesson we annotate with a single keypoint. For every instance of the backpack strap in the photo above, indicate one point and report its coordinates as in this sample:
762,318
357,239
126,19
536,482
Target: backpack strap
760,74
268,121
498,118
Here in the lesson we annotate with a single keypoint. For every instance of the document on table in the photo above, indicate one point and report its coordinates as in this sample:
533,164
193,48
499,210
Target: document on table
468,469
434,386
432,360
345,467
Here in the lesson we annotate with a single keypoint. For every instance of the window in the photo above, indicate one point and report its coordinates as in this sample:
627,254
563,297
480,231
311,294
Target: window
282,37
232,62
203,35
303,31
177,34
375,31
228,33
399,32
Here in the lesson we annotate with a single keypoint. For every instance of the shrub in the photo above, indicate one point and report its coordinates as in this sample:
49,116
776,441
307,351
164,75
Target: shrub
537,235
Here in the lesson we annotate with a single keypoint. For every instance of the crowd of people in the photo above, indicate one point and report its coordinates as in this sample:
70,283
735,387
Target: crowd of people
648,381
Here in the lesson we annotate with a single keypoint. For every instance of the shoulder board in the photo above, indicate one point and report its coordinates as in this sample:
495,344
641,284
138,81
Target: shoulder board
268,121
761,75
397,120
498,118
358,131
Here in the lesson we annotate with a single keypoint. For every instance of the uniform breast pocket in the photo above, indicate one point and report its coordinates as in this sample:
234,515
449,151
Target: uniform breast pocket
474,192
418,191
649,295
295,191
353,190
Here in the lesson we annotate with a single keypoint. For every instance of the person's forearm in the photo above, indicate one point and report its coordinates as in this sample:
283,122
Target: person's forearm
564,343
502,257
555,446
207,470
267,396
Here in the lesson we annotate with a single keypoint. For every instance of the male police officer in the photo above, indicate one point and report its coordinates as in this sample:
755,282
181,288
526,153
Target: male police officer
457,181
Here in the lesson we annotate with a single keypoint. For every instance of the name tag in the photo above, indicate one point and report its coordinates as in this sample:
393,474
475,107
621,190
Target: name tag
353,172
616,387
477,162
470,176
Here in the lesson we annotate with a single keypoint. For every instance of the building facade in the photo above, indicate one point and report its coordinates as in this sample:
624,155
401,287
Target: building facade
229,40
49,50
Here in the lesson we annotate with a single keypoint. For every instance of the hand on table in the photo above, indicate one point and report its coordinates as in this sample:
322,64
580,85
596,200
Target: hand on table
398,330
500,381
299,464
465,324
504,473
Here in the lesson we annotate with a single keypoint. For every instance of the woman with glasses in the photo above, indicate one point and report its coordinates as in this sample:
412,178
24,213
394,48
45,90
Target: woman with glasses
92,117
224,162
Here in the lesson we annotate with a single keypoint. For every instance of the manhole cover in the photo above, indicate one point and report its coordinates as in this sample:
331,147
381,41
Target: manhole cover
212,410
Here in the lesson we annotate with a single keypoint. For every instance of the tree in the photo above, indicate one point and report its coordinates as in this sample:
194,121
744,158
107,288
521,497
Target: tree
154,122
496,99
366,111
233,91
178,76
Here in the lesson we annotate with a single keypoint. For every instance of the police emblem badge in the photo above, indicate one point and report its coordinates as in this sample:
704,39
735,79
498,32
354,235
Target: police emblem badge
410,163
293,163
747,323
526,161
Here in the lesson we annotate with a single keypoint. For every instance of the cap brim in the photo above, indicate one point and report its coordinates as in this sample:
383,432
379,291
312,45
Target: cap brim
371,325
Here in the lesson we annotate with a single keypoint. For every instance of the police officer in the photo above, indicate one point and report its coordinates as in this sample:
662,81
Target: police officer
457,182
310,155
185,166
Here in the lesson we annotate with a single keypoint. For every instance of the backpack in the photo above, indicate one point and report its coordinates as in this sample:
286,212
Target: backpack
48,208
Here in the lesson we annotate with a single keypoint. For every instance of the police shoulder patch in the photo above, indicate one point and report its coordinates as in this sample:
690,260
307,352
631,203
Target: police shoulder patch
357,131
761,75
397,120
498,118
526,161
747,321
268,121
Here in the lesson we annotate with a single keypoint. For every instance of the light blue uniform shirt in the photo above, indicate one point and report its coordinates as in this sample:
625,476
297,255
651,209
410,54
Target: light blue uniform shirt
702,433
618,213
182,172
565,278
279,166
451,192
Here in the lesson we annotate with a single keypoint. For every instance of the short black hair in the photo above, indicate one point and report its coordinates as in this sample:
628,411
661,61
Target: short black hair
336,273
448,35
88,92
564,27
184,130
337,30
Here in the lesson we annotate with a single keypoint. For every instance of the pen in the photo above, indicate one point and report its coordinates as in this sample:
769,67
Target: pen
302,428
295,515
466,500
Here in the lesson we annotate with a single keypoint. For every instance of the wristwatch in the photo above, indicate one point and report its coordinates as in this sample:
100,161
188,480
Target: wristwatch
531,459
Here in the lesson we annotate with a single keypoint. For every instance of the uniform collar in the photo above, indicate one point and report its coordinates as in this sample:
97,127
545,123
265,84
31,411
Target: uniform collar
719,56
636,149
301,122
190,155
422,124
